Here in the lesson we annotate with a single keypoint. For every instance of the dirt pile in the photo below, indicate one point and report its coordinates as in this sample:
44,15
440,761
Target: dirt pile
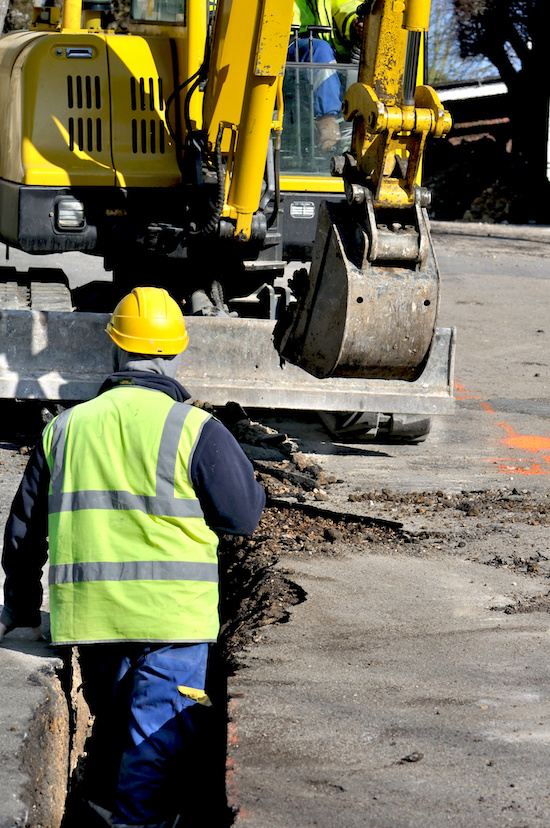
486,503
480,181
18,15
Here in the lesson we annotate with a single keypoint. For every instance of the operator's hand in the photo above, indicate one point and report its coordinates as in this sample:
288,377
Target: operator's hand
359,25
37,634
328,132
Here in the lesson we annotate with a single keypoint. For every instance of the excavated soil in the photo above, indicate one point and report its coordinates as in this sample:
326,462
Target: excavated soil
498,527
257,589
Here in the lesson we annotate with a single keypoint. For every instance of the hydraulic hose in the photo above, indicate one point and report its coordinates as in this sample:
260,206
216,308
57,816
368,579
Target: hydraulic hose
212,223
277,173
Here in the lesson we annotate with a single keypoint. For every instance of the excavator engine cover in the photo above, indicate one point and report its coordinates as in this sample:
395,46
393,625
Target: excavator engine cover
370,305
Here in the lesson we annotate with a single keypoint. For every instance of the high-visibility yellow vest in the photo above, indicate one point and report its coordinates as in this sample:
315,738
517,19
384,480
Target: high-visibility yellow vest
339,14
131,555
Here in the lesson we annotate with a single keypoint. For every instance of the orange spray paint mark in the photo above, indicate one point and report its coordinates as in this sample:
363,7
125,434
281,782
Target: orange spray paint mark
464,395
508,465
531,443
527,442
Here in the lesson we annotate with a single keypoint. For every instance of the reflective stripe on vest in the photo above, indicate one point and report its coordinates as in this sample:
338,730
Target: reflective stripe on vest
127,564
132,571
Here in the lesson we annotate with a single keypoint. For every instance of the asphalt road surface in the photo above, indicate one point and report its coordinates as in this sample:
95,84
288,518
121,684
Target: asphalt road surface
406,691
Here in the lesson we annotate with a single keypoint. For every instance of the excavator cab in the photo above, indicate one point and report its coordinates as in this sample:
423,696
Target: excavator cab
301,153
305,179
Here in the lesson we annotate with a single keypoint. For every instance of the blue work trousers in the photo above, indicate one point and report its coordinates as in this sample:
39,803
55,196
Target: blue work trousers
327,91
143,743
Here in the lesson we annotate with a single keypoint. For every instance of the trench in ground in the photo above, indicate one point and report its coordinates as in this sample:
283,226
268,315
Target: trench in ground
256,590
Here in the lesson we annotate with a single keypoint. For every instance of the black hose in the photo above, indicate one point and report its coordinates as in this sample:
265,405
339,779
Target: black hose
277,197
199,76
171,98
212,224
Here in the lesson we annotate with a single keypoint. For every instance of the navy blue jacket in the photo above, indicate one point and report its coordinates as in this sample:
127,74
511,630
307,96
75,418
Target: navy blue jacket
223,478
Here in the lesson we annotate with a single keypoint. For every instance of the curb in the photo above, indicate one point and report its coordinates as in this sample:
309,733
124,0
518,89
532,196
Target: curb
518,232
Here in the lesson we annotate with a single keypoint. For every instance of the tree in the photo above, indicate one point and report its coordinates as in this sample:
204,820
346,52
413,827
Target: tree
445,61
3,9
512,34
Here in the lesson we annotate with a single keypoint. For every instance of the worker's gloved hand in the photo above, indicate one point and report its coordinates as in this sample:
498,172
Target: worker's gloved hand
37,634
358,26
328,132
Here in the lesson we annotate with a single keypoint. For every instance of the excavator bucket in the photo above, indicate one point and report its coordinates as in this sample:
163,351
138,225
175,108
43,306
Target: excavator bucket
369,307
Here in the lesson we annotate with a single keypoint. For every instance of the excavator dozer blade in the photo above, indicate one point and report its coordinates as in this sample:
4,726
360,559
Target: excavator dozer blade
369,307
50,352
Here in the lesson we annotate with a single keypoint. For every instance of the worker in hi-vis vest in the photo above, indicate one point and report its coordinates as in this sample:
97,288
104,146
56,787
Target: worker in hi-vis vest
130,490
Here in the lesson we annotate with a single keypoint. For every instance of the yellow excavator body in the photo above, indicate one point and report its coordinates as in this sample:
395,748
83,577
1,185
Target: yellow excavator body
146,143
67,133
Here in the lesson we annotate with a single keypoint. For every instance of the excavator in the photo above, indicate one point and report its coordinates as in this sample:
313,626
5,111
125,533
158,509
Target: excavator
153,141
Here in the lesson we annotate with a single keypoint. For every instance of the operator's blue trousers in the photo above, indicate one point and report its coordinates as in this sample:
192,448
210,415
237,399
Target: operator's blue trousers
327,91
144,735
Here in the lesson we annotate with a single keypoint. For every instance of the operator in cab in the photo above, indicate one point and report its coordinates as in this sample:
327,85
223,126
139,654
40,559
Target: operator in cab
341,36
130,491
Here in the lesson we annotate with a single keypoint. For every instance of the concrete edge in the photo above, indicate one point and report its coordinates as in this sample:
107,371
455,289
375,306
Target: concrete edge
518,232
44,723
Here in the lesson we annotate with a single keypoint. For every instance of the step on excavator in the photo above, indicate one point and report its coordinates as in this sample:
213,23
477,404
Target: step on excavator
153,141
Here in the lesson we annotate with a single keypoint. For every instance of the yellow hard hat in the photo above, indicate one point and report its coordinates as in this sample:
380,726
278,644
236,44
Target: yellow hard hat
148,321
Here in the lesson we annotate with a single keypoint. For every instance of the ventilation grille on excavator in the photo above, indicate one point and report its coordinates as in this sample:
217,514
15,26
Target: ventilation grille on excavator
148,134
84,93
86,133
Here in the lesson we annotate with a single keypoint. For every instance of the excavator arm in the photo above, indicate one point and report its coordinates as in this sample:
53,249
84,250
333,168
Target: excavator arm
243,101
369,306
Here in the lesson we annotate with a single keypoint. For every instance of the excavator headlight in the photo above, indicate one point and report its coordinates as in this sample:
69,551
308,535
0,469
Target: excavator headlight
69,214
